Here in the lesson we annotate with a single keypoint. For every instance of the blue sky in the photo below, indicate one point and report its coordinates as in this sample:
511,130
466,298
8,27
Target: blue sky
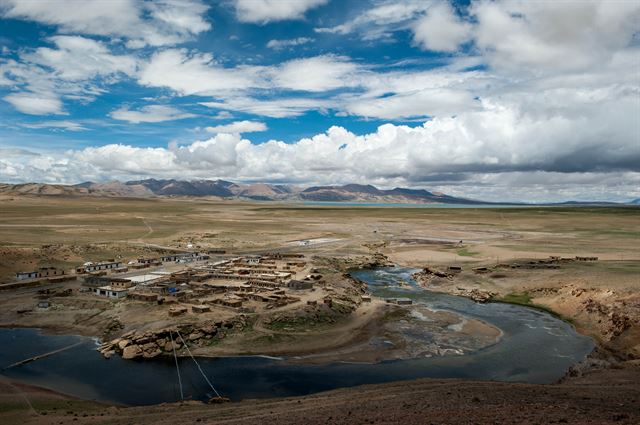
501,100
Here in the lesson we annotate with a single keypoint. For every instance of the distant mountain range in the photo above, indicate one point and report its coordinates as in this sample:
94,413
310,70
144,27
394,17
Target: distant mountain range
229,190
257,191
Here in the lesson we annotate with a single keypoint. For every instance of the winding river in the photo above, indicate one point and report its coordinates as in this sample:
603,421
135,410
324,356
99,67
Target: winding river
535,347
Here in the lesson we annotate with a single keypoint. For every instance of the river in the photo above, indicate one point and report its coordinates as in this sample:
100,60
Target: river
535,347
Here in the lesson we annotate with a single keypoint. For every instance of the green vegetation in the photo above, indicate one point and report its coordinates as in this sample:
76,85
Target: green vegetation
524,299
300,323
465,252
514,298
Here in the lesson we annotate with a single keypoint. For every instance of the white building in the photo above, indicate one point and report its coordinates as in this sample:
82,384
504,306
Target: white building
111,292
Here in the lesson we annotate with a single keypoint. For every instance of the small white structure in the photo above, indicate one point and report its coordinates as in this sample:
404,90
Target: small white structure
145,279
111,292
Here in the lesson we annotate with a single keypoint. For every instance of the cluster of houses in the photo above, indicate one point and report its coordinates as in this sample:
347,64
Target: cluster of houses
40,273
231,283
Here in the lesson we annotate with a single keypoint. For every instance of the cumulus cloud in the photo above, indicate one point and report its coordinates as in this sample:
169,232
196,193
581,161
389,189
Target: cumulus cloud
315,74
543,92
489,146
150,113
542,36
195,74
35,103
80,58
264,11
440,29
239,127
156,23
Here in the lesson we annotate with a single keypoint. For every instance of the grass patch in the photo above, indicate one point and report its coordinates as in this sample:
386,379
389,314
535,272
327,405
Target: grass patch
515,298
524,299
465,252
273,339
299,323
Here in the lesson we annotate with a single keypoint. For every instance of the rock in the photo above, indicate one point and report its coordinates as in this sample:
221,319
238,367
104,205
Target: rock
131,352
105,347
169,346
142,339
150,346
208,329
108,354
195,336
123,343
151,354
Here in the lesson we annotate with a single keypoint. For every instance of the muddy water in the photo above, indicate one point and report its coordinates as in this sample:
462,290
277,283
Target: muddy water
535,347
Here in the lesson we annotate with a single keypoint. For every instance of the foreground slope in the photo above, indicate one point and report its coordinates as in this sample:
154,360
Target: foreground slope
603,397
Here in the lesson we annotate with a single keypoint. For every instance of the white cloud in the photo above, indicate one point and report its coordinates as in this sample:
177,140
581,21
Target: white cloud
142,23
315,74
538,37
35,104
278,108
196,74
418,103
149,113
77,69
79,58
239,127
440,29
199,74
223,115
264,11
282,44
489,149
381,20
65,125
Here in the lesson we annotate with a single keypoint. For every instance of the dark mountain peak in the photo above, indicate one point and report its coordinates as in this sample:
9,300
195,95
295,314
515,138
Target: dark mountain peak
410,192
361,188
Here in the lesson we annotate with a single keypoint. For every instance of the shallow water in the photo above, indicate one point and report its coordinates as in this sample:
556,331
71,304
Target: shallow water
536,347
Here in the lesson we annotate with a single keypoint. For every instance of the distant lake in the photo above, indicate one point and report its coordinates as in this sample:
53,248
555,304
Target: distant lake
402,205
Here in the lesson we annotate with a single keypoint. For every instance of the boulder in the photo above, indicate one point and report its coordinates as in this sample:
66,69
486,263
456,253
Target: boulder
150,346
208,329
152,353
195,336
131,352
169,345
144,339
123,343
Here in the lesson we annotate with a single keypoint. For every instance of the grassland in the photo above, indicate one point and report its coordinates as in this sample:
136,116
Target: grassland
66,231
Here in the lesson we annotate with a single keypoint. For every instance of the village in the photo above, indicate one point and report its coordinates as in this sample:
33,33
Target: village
204,294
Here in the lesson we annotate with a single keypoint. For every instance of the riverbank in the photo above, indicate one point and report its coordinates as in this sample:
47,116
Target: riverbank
602,397
599,298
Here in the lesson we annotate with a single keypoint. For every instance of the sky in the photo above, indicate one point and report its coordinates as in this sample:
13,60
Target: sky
534,101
